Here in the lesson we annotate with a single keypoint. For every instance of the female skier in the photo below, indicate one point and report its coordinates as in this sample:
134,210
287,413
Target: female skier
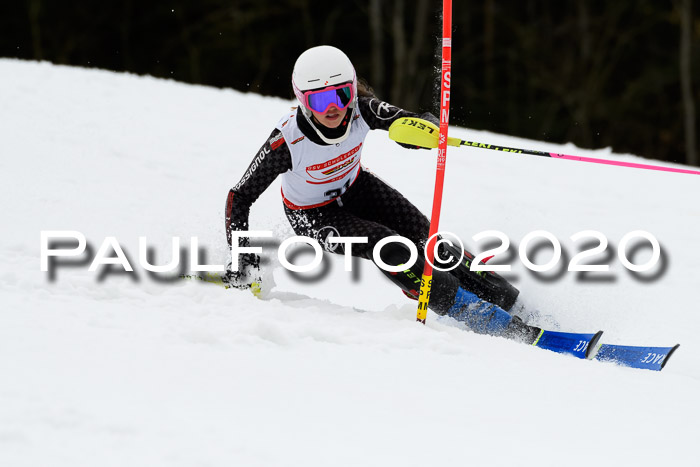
327,192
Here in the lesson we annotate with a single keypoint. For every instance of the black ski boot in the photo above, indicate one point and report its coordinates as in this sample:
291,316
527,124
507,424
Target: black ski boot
521,332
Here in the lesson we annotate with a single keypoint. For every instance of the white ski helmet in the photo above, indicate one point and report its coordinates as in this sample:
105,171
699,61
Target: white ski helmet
318,68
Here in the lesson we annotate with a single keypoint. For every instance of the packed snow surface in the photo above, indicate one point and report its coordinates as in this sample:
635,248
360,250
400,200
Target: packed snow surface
112,368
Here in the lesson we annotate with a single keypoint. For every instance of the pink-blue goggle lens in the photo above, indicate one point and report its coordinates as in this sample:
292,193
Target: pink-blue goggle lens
340,96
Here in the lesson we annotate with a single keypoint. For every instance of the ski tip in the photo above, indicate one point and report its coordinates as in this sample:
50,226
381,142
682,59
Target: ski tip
668,355
593,346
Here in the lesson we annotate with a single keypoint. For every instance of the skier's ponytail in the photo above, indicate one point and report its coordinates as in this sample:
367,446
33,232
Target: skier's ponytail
364,89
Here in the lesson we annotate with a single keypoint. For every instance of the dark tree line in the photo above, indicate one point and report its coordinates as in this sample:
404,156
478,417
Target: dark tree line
597,73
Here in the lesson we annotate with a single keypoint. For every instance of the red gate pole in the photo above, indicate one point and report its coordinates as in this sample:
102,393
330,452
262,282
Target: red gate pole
427,280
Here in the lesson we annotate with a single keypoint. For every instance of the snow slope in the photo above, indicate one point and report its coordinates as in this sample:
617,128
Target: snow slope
127,369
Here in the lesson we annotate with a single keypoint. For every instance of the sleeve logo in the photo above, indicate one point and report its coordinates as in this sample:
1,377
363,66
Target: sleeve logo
383,110
276,141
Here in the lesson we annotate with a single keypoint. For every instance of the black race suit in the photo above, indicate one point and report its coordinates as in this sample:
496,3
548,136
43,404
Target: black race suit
369,208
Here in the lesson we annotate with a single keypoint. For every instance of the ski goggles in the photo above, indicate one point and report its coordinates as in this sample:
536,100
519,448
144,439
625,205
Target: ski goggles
320,100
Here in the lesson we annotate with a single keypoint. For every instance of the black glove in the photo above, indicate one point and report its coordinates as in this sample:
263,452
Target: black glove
408,146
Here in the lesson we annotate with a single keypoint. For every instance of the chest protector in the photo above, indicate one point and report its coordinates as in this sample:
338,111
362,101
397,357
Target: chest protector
320,174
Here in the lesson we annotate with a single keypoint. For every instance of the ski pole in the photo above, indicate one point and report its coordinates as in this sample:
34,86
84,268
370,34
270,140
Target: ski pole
419,132
427,279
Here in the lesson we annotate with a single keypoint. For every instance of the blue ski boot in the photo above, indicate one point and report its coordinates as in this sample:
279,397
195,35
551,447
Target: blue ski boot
486,318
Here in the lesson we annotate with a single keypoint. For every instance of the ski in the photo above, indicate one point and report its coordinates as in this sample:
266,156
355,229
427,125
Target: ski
647,358
587,346
220,280
571,343
580,345
212,278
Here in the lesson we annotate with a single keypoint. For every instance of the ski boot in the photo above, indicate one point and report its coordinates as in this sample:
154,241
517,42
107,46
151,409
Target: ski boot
486,318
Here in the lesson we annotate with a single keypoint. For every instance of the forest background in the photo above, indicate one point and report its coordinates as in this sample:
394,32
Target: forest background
619,74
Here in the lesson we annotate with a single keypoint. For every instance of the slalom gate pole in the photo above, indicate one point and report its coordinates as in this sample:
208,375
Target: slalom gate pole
427,280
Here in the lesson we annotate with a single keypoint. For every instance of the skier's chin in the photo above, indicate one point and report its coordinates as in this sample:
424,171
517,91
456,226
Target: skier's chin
330,119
